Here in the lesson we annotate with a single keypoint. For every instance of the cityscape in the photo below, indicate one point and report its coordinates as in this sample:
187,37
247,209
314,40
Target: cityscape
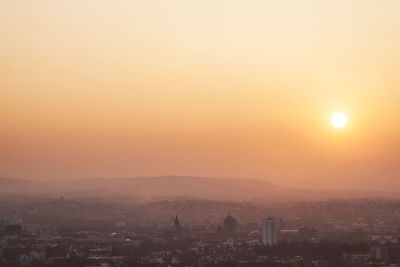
199,133
67,232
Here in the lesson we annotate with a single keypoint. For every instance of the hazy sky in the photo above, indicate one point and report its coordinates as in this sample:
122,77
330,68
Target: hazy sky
204,88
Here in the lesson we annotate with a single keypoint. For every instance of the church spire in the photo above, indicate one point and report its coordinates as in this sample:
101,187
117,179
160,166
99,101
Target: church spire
177,225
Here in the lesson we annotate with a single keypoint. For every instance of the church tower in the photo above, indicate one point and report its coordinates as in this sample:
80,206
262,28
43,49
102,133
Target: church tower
177,224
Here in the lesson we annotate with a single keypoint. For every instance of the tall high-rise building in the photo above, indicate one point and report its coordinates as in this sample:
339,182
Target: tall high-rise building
268,228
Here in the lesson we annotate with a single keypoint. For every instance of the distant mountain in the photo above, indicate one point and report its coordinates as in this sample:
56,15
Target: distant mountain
12,185
177,186
169,187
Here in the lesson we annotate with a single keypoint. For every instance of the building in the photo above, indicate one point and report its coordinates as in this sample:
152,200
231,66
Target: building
43,233
230,225
177,224
12,226
220,232
379,253
268,229
356,258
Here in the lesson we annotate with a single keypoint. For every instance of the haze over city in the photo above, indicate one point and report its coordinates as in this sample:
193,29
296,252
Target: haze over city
213,133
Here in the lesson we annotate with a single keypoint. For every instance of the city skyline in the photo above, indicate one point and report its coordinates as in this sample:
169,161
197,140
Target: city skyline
179,133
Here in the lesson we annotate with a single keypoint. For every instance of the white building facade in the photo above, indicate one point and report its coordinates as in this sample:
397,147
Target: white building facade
268,229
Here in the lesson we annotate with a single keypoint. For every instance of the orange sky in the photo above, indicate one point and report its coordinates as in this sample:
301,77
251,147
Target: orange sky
203,88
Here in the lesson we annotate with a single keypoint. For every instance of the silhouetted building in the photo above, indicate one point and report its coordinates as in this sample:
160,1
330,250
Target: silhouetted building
230,225
220,232
268,228
12,229
12,226
177,225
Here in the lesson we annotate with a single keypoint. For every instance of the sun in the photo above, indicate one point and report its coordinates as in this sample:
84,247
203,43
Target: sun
338,120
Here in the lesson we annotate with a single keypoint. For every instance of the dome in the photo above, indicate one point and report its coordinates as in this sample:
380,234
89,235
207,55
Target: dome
230,221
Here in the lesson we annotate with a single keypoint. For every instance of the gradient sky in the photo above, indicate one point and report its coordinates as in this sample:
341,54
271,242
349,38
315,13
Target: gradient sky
204,88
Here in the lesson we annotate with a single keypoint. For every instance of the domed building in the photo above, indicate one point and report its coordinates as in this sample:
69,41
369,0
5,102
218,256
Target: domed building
230,225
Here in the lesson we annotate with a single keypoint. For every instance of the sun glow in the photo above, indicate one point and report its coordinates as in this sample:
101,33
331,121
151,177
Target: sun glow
338,120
